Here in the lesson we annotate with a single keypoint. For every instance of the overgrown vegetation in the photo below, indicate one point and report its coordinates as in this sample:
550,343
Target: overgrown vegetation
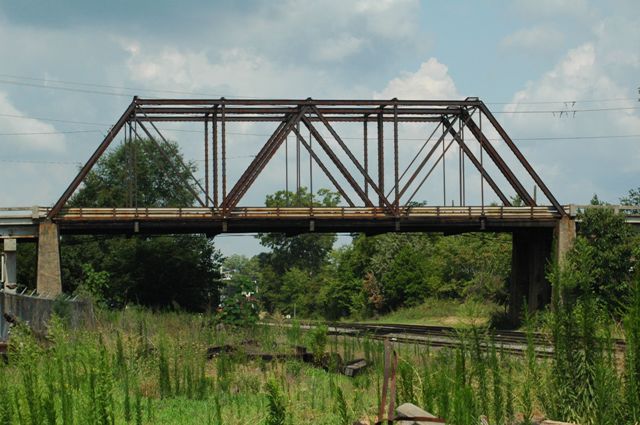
127,371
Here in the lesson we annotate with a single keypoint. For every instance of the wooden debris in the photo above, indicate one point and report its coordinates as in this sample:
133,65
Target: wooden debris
355,367
410,414
331,362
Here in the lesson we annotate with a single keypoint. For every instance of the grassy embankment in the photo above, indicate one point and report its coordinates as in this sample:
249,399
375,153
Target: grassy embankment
436,312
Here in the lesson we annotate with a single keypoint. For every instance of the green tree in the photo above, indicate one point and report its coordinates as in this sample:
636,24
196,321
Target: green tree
604,255
632,198
300,257
159,271
308,251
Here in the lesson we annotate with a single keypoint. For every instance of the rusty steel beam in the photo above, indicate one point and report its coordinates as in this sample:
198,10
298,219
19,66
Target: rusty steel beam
527,166
169,160
422,164
260,161
476,163
318,161
336,161
308,102
499,161
352,157
278,118
92,160
281,110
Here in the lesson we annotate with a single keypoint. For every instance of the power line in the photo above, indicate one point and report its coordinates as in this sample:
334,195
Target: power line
265,134
132,89
54,120
566,111
29,161
36,133
47,81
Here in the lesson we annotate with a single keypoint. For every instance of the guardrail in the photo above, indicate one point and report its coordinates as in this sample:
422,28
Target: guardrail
494,212
37,213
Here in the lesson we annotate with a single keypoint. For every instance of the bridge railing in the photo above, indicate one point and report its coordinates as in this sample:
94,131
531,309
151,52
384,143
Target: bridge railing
631,212
469,212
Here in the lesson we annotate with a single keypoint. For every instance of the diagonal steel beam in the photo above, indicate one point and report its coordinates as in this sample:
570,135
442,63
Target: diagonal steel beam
433,167
522,159
351,156
169,161
425,160
477,164
258,158
323,167
336,161
260,161
178,181
424,145
497,159
181,162
92,161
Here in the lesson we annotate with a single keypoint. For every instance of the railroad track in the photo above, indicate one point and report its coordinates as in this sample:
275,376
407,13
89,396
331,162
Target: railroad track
512,342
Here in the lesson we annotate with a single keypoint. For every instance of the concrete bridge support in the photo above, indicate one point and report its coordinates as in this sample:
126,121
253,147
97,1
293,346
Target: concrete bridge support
49,280
532,251
9,260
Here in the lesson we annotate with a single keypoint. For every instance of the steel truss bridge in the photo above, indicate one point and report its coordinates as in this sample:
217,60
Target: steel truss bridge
383,157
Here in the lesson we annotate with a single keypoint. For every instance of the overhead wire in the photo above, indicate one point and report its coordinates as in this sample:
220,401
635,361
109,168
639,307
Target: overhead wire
47,81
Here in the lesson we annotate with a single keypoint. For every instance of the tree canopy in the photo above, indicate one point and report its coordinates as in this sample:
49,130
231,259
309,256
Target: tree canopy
159,271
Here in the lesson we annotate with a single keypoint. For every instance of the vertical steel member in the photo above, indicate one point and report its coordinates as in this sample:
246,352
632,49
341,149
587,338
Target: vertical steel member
286,168
396,171
481,168
381,155
444,171
214,141
311,166
135,163
127,149
366,152
206,159
464,182
223,129
460,176
298,158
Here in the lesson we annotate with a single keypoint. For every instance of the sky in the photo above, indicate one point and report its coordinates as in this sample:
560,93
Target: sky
70,68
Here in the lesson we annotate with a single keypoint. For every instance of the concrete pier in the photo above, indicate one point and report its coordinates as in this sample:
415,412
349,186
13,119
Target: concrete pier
530,254
49,281
533,250
9,266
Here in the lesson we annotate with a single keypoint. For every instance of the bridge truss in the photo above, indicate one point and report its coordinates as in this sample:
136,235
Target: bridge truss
379,174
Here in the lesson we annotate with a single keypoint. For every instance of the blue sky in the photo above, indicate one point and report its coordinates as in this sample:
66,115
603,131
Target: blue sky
74,65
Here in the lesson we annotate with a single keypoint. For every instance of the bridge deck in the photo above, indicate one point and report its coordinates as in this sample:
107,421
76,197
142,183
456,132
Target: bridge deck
22,222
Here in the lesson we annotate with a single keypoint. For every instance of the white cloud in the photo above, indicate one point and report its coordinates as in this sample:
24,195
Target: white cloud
534,9
14,123
233,71
534,38
430,81
339,48
586,164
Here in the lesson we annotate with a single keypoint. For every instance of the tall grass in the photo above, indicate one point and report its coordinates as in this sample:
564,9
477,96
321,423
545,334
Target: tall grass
127,372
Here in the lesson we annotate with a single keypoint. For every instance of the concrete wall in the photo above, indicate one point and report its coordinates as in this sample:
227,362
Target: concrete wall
37,311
